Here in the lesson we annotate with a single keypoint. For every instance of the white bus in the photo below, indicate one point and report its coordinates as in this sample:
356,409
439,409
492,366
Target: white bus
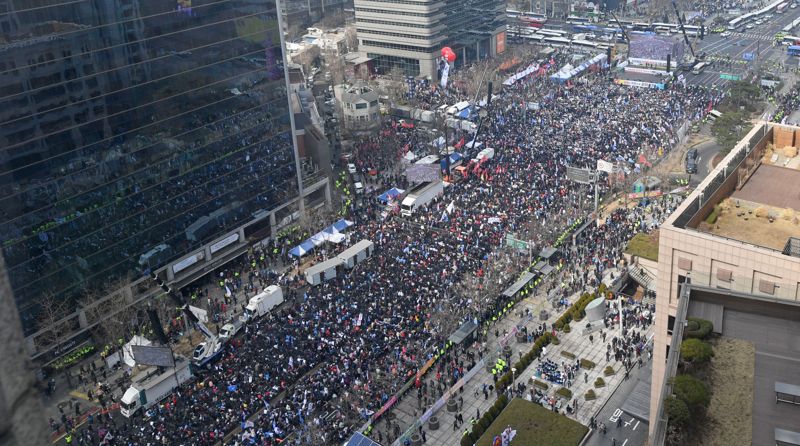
575,20
557,41
551,32
699,68
533,38
579,43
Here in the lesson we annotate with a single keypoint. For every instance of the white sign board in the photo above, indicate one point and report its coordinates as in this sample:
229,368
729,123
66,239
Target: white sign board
224,242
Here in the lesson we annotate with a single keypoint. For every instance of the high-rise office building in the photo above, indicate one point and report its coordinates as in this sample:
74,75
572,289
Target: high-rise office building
409,35
135,135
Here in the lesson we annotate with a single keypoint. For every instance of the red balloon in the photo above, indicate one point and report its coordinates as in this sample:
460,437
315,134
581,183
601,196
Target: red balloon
446,50
451,57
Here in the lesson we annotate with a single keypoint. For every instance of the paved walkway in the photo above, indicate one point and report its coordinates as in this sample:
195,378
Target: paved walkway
408,410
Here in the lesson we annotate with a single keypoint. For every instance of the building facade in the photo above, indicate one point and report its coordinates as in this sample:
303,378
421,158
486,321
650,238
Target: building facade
137,136
408,35
360,107
693,250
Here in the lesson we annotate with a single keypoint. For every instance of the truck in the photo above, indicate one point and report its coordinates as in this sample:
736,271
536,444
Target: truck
420,195
153,385
262,303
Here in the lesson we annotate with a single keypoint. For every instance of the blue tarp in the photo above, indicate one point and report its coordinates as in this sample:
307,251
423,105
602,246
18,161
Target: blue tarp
320,238
390,194
360,440
454,158
342,224
302,249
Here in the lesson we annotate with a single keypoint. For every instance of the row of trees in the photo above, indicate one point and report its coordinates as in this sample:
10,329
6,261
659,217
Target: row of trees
686,407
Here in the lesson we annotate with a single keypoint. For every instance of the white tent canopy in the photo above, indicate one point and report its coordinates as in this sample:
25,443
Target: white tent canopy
127,349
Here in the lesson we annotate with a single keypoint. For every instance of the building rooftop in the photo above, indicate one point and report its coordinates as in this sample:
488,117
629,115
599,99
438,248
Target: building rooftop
745,197
771,326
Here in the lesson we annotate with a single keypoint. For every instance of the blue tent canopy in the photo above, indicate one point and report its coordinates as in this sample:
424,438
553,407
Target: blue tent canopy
390,194
342,224
302,249
359,439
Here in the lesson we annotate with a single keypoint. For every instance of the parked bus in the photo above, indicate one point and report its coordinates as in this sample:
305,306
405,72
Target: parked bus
793,50
557,41
790,40
534,16
782,7
551,32
699,68
640,26
579,43
533,38
662,30
575,20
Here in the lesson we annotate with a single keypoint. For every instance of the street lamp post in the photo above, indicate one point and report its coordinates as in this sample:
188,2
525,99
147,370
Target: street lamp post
513,373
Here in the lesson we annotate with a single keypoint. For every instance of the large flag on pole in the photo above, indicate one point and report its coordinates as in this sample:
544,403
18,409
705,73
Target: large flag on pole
445,73
605,166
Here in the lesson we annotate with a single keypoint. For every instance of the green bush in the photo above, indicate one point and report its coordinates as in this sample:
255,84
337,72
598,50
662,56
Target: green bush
677,411
590,395
599,382
477,431
691,391
540,384
555,340
566,328
586,364
466,440
608,371
696,351
564,392
698,328
567,354
712,217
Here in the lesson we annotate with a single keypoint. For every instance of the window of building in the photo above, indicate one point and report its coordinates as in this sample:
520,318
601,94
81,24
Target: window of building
766,287
361,106
670,324
373,103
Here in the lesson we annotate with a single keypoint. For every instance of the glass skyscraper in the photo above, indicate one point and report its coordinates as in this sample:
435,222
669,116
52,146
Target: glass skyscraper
133,133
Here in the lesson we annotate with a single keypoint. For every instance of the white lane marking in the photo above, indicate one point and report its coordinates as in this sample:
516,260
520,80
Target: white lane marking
625,442
637,425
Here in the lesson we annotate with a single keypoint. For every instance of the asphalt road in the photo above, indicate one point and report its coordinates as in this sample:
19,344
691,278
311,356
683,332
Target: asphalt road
705,154
757,41
632,431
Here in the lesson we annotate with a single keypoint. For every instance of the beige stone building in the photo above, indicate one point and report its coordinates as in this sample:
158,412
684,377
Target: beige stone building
738,231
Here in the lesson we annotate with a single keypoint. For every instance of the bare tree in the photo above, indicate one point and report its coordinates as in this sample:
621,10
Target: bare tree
351,38
335,64
53,318
116,320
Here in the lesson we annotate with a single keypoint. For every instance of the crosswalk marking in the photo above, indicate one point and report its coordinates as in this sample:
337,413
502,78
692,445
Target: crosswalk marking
726,59
755,36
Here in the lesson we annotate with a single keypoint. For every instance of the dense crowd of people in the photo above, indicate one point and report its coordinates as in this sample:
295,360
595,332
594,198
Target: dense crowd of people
339,351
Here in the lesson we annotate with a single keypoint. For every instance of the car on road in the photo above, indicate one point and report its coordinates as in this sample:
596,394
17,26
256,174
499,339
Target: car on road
359,187
691,161
725,34
352,168
750,26
793,5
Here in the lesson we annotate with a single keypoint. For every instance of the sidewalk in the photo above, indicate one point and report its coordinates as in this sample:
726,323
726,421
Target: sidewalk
409,409
68,396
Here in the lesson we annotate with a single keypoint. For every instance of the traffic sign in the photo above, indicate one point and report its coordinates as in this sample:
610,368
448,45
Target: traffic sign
513,242
730,77
583,176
